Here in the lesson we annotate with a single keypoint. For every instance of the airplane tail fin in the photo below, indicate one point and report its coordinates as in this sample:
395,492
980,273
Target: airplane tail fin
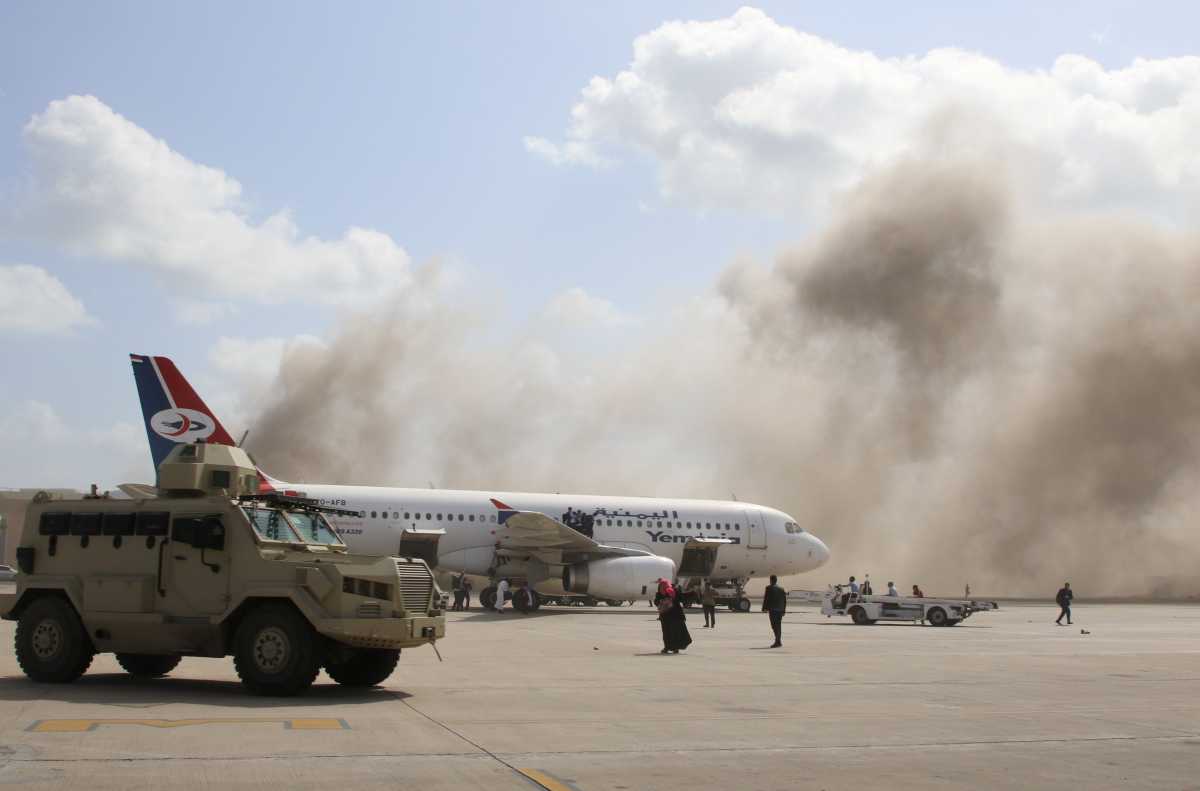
172,411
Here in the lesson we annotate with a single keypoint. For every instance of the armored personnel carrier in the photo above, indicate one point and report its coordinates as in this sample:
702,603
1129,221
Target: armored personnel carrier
206,565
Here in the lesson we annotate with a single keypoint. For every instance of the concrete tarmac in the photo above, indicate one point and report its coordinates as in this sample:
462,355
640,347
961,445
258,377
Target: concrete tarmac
581,699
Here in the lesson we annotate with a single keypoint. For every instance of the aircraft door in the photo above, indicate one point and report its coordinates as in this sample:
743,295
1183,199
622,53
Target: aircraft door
700,557
758,530
195,566
420,544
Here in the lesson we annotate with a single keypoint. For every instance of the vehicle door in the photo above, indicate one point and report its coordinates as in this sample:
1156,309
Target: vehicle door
758,530
195,574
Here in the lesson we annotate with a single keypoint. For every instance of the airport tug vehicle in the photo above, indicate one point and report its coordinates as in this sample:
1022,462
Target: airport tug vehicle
865,610
205,565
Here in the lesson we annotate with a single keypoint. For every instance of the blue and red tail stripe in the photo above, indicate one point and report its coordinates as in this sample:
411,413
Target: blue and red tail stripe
165,395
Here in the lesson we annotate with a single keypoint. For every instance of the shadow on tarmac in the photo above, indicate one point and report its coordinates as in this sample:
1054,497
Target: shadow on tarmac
121,689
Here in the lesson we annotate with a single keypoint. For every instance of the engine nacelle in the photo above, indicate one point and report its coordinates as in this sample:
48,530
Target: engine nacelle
618,578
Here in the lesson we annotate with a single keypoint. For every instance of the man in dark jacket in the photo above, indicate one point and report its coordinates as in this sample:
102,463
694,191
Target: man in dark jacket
775,605
1063,597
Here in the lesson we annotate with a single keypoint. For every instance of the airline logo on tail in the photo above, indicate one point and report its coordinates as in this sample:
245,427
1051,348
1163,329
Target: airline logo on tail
172,410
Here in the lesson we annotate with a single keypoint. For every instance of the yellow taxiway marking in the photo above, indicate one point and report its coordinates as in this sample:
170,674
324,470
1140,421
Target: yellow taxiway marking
83,726
545,780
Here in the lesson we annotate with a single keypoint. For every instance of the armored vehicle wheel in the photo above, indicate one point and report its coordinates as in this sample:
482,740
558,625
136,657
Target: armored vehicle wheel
743,604
148,665
487,598
937,617
51,644
275,651
365,668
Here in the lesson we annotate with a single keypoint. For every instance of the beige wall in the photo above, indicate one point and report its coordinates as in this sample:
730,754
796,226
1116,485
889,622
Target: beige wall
13,503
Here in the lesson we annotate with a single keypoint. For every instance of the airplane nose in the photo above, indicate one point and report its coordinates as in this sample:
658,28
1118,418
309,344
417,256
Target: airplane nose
820,551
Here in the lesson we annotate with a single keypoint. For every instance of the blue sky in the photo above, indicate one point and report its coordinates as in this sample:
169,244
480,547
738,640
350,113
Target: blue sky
410,120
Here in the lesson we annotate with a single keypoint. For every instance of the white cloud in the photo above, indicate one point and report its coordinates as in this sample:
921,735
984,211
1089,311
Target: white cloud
569,153
102,186
34,301
195,312
577,308
46,450
745,112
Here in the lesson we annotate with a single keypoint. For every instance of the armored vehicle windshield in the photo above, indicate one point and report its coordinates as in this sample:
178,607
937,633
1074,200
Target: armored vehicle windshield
291,526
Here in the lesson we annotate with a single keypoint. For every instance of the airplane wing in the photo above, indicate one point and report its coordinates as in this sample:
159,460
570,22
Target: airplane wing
139,491
535,532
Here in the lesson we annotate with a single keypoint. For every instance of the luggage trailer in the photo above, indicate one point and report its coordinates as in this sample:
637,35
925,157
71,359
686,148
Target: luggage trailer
866,610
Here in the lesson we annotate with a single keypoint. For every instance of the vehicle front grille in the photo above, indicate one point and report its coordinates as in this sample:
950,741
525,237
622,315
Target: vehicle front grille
370,609
416,585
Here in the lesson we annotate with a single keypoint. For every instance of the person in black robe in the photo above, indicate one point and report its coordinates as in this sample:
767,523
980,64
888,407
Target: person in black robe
670,616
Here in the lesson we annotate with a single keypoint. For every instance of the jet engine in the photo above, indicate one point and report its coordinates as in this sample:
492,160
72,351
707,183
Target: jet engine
618,578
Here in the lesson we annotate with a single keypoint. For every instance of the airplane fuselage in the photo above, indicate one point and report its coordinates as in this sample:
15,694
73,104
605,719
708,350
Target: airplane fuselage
762,540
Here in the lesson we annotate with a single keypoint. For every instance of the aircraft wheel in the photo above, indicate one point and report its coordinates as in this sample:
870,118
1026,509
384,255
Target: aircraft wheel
954,622
487,598
613,602
937,617
743,604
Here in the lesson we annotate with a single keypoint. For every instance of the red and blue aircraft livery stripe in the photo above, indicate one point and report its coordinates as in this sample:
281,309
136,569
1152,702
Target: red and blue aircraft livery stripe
161,387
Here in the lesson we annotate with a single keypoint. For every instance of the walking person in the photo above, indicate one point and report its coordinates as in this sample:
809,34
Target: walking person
670,615
1063,597
708,600
458,593
466,593
501,595
775,604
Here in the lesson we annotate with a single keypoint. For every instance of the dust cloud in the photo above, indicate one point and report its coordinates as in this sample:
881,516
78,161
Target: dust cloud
945,385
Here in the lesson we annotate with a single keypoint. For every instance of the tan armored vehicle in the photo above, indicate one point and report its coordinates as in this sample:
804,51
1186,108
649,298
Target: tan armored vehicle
207,566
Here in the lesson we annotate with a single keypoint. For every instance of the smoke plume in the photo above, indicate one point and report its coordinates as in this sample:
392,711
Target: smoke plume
942,384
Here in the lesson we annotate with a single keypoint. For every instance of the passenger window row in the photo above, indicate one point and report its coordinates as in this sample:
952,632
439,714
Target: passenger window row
669,524
430,516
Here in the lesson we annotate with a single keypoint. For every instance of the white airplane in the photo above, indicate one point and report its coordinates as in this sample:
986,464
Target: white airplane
612,548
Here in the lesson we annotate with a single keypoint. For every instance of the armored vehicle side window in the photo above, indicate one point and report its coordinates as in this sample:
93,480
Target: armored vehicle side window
270,524
117,525
85,524
313,528
55,524
152,523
